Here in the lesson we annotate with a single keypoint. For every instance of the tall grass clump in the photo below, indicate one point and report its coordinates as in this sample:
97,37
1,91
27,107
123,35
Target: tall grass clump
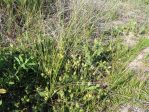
16,16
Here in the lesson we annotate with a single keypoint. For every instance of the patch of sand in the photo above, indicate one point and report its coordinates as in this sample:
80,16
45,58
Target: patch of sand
138,64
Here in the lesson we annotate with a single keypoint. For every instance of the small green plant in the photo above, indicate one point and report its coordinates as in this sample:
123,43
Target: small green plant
24,63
